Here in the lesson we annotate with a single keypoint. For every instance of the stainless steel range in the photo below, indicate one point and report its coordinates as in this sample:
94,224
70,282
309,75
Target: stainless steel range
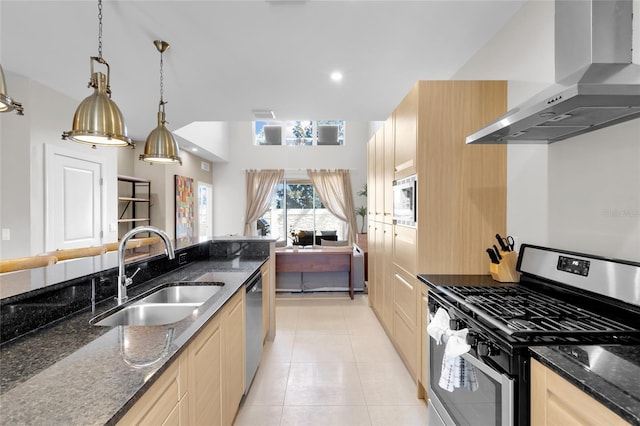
563,298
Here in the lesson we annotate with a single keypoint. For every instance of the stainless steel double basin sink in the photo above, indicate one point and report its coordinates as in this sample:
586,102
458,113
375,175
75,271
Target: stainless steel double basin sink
165,304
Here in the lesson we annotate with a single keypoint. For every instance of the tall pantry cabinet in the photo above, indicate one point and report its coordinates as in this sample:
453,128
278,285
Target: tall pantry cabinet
461,203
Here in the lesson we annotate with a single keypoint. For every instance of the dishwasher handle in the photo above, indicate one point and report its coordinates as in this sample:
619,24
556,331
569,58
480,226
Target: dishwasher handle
252,285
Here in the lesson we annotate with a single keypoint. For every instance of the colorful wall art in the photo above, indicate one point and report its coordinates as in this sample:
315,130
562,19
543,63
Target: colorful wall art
185,208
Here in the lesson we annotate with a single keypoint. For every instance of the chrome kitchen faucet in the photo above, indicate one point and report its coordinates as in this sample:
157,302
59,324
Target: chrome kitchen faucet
123,280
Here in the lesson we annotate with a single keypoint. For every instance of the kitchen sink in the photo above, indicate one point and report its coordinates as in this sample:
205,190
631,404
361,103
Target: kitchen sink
147,314
197,294
163,305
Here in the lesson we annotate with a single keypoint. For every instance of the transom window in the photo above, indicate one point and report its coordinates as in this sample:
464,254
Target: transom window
299,132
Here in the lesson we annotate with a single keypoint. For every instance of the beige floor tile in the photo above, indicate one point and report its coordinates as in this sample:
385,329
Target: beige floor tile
287,318
259,415
387,383
269,385
325,416
405,415
280,349
324,384
313,346
373,347
327,323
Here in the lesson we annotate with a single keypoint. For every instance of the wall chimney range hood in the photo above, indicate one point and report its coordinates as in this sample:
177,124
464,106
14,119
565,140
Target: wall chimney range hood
596,84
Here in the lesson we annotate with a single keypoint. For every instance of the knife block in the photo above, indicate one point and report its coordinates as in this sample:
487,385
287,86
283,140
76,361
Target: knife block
505,271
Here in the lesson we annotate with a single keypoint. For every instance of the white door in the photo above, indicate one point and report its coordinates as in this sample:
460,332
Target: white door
205,210
73,196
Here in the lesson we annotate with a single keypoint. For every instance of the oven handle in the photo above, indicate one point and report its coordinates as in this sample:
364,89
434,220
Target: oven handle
506,386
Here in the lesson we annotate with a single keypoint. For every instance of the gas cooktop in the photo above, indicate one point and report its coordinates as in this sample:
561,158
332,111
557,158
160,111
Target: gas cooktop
520,311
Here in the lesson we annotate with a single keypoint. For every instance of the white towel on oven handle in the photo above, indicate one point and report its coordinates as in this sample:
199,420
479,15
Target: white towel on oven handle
456,372
438,327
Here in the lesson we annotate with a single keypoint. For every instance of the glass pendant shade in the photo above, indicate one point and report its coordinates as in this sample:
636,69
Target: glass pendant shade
98,120
6,103
161,145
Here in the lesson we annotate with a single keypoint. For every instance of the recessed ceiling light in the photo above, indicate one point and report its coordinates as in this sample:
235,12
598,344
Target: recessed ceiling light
194,149
336,76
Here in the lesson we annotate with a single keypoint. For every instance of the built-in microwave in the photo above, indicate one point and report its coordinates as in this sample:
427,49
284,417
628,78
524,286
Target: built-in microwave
405,201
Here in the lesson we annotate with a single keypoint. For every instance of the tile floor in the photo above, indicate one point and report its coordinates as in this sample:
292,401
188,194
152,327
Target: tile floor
332,364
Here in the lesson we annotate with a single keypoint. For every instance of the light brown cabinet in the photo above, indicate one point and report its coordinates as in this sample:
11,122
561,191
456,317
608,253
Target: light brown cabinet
406,133
405,331
423,379
379,175
206,383
166,402
461,201
233,356
555,401
371,182
389,168
386,283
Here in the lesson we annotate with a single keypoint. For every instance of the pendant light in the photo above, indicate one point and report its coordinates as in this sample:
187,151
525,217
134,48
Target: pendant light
6,103
98,120
161,145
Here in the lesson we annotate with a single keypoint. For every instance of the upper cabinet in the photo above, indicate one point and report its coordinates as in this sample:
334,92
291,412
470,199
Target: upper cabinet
461,188
379,175
389,168
405,119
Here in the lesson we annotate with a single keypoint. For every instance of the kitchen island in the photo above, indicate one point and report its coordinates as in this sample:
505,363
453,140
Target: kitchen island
72,372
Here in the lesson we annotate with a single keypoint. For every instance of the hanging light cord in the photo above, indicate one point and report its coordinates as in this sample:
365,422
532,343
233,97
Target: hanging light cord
162,102
100,29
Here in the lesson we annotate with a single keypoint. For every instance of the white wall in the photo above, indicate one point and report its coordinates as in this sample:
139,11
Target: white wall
213,136
162,179
15,179
47,114
583,193
229,184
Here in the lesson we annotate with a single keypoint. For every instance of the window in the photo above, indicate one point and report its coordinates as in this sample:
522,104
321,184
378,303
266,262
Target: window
299,132
298,214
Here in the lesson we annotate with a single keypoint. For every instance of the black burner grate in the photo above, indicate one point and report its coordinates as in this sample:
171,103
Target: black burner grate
518,310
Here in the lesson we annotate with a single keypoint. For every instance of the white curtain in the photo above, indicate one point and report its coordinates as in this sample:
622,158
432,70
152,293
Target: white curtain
261,186
334,189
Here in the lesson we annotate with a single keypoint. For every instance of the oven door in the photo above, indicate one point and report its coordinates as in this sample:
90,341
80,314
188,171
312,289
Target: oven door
492,403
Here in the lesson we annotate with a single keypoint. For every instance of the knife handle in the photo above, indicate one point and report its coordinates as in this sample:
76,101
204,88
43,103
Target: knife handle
492,256
497,252
501,241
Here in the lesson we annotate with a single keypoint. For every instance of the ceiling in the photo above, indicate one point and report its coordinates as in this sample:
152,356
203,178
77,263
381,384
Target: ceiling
230,57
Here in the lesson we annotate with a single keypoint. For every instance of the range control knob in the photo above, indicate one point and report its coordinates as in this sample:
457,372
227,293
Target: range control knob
472,339
456,324
487,349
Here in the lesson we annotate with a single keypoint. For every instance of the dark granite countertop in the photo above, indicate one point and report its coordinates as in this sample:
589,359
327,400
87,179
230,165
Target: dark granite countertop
608,373
74,373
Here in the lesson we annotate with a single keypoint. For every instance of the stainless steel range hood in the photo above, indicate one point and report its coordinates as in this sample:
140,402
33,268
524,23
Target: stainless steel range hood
596,83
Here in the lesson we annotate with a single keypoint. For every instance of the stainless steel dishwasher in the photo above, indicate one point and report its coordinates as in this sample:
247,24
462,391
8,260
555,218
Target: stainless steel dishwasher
253,332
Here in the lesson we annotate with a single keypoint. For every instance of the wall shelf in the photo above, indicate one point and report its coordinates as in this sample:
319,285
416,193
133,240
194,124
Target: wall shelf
134,203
